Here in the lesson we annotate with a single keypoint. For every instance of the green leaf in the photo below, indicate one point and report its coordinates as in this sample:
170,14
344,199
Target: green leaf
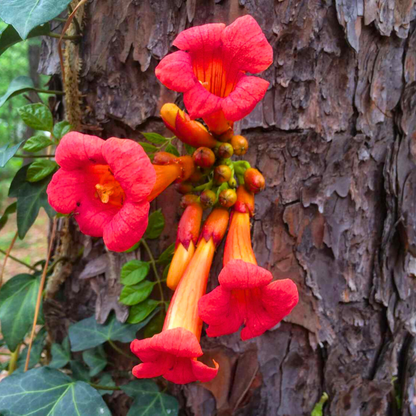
7,152
60,354
189,149
141,311
96,360
36,143
134,272
46,391
166,256
318,409
37,116
25,15
79,371
60,129
17,307
155,325
88,333
148,148
35,352
106,380
148,400
132,295
170,148
155,225
11,209
39,169
30,198
18,86
155,138
9,36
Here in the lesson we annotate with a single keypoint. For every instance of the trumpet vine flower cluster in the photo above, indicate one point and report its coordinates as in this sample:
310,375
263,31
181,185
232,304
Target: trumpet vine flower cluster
108,186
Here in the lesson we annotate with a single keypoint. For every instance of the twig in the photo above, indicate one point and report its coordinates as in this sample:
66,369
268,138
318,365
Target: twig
98,387
54,92
56,35
40,291
153,263
18,260
32,156
65,28
5,259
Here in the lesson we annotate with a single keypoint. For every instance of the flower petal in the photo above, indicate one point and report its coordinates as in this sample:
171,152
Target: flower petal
199,102
245,46
127,226
247,93
131,167
175,71
154,369
200,38
77,151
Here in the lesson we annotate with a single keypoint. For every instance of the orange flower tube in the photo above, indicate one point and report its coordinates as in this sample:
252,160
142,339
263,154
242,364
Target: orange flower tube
173,353
173,168
246,295
186,130
188,232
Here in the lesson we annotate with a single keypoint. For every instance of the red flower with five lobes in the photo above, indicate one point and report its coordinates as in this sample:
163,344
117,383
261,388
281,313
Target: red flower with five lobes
210,69
187,237
246,294
173,353
106,185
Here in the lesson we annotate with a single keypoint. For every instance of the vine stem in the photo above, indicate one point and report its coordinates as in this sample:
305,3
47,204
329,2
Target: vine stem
32,156
14,356
120,351
5,259
40,291
153,263
18,261
98,387
58,36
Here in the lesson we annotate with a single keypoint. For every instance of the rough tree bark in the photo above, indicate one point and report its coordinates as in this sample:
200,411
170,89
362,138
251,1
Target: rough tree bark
334,138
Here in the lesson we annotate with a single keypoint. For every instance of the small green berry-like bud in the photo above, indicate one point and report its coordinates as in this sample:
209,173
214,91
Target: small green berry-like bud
188,199
204,157
227,198
222,174
208,198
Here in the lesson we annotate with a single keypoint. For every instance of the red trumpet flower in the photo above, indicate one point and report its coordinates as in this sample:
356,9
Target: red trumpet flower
106,185
210,69
246,294
173,353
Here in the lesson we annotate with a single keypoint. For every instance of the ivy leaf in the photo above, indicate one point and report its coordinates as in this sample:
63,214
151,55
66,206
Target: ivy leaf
148,400
155,138
17,307
39,169
35,353
46,391
134,272
18,85
25,15
132,295
155,225
36,143
30,198
148,148
155,325
7,152
37,116
106,380
9,36
96,360
87,333
141,311
79,371
60,129
166,256
60,354
170,148
11,209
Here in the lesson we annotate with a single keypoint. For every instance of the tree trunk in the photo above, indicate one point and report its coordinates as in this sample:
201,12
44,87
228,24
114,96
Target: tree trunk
334,139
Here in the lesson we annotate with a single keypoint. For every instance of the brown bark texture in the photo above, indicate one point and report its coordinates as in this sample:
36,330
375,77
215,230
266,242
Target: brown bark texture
334,137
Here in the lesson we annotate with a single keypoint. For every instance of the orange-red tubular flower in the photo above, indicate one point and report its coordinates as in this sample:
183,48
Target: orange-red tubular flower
188,232
246,294
186,130
173,168
173,353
